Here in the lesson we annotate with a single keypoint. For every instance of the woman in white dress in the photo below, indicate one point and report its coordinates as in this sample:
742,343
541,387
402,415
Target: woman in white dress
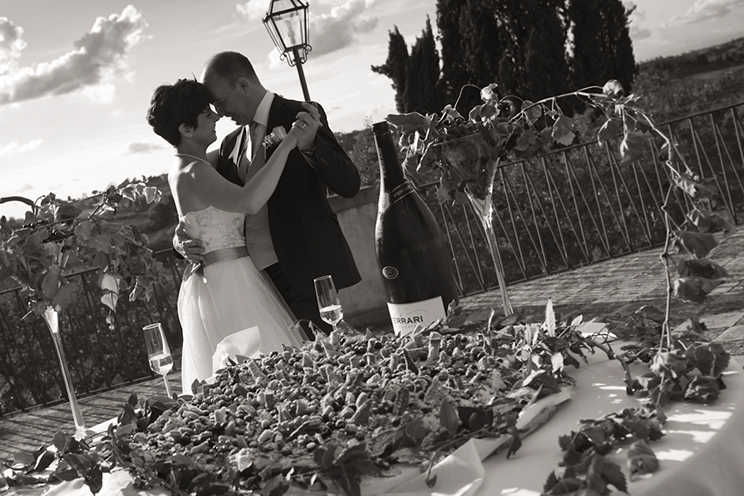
227,295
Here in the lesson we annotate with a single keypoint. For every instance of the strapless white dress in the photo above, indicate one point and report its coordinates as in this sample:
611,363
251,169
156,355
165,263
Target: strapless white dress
230,296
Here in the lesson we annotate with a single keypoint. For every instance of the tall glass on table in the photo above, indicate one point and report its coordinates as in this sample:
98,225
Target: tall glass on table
328,302
158,352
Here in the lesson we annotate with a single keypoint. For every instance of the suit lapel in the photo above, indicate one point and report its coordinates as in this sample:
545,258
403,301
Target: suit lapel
276,118
226,164
276,114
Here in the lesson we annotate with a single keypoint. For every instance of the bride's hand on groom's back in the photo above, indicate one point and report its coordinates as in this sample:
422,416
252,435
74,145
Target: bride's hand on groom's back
191,249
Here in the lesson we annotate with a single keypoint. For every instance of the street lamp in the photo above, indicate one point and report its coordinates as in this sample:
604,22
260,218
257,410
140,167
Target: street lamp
287,24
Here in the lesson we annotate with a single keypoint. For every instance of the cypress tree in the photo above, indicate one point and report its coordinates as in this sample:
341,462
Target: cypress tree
602,48
396,67
455,72
622,62
422,77
483,41
546,68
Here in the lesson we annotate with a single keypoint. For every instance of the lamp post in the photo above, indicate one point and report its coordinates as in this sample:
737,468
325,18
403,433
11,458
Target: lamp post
287,24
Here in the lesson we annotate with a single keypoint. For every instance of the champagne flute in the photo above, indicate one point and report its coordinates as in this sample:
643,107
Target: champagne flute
158,352
328,301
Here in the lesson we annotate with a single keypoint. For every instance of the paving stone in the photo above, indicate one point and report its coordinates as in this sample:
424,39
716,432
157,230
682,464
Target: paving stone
721,320
731,334
714,322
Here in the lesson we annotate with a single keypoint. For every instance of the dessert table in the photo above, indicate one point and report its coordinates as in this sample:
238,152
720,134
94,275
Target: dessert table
701,454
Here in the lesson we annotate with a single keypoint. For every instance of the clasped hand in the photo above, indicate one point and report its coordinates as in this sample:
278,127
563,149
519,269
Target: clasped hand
303,130
306,126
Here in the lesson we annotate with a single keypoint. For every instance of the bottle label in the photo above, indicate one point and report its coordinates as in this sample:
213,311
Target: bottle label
406,316
400,191
389,272
388,199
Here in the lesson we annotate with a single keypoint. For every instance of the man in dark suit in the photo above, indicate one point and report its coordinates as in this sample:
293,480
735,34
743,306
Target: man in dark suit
296,236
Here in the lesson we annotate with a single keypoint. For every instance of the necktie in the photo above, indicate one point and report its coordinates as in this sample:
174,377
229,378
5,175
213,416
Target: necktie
242,162
258,153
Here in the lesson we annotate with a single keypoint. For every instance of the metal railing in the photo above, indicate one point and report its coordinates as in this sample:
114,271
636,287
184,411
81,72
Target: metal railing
581,205
564,210
100,356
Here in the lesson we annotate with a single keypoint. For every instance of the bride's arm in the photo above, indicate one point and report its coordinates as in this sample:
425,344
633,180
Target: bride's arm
207,184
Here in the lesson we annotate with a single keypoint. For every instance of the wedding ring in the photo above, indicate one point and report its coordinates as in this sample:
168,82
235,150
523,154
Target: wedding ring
303,125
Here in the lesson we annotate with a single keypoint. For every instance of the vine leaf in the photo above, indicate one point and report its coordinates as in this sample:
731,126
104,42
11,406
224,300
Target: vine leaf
410,122
612,474
609,130
276,486
550,318
531,112
566,486
703,389
562,133
707,221
50,283
66,212
631,148
67,295
526,140
110,286
613,88
692,188
701,267
695,289
699,244
448,418
641,460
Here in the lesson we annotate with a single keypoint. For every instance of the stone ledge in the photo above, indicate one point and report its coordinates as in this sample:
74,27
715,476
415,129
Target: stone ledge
368,194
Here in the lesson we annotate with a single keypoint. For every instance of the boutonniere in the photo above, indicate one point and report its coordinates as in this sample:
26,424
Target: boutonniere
274,138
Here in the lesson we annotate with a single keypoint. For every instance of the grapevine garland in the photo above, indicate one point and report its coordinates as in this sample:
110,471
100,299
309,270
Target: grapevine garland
57,235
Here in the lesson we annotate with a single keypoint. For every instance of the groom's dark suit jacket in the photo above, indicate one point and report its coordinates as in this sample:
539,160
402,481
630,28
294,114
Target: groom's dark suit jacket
305,231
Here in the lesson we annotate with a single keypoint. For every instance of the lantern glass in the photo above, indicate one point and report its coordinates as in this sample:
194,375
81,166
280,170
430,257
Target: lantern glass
287,24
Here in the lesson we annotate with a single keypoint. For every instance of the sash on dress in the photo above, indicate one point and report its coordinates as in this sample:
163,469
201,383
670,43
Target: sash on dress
212,257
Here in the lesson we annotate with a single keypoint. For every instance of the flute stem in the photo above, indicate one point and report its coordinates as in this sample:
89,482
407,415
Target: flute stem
167,386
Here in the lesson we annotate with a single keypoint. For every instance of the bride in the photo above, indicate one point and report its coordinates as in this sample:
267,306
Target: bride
228,294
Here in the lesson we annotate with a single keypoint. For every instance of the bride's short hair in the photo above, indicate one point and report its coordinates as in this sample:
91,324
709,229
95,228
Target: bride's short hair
176,104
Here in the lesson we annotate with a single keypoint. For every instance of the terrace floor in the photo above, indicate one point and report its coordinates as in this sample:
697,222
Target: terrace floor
595,291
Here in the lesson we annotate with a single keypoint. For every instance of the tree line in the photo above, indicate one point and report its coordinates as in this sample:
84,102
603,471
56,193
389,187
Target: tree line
530,48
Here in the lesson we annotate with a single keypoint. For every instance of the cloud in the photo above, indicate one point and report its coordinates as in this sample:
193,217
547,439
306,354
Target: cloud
703,10
24,187
98,56
253,10
138,147
11,44
14,148
637,18
342,26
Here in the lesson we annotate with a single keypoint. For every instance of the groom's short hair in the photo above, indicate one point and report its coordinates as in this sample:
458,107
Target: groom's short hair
230,66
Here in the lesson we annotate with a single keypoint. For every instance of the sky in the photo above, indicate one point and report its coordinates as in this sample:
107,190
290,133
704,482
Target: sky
76,76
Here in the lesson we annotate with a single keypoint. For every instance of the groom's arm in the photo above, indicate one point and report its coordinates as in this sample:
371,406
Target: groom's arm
331,163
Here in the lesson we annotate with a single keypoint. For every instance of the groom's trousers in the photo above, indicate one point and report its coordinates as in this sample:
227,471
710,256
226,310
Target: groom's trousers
303,307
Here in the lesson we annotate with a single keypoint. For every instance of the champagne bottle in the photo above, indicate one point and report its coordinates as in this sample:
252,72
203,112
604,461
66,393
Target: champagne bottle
412,256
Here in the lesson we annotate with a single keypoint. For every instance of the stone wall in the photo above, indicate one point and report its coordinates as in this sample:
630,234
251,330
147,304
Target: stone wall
364,303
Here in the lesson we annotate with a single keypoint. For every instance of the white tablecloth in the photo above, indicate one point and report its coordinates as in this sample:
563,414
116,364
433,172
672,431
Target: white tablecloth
702,453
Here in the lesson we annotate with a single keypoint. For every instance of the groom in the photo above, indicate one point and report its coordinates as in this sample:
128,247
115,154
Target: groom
295,237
